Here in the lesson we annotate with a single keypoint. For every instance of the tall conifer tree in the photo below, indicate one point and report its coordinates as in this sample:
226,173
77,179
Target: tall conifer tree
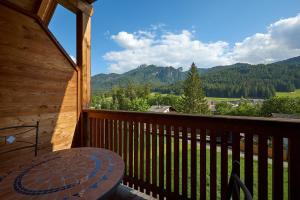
193,98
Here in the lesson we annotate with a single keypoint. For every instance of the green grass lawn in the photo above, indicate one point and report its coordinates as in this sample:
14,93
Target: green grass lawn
255,172
296,93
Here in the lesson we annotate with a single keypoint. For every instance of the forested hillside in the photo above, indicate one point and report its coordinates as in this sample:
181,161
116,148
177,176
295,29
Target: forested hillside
238,80
245,80
151,74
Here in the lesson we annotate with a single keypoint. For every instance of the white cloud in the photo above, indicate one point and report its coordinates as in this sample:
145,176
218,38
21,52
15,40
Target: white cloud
130,41
177,50
280,41
158,26
73,58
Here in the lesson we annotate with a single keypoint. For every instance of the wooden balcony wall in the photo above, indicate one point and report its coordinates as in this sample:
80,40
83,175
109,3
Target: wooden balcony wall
189,157
38,80
28,5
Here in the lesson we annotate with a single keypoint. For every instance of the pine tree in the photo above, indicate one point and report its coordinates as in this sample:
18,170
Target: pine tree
193,99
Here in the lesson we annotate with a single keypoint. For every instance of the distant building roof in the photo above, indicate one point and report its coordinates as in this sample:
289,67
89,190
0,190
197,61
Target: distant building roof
162,109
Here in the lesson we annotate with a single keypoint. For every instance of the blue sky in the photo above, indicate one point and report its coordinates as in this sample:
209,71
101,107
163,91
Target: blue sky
127,33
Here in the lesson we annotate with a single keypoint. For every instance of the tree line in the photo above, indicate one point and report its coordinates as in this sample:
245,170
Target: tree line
282,105
192,99
244,80
139,98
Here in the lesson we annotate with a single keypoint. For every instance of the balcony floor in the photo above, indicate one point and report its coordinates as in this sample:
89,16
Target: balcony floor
126,193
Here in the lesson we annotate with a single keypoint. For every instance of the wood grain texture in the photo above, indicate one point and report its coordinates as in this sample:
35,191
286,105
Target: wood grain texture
76,6
37,82
225,123
262,167
130,143
277,168
193,164
135,151
148,150
45,10
142,151
154,157
224,164
161,170
28,5
294,166
83,47
213,165
184,166
176,160
249,162
203,164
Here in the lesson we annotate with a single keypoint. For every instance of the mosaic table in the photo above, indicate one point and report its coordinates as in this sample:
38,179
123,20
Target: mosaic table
78,173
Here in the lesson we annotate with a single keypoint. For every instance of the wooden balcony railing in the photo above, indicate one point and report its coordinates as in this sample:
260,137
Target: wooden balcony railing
189,156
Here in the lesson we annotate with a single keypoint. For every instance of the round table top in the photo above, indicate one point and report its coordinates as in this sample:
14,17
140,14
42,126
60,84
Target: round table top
86,173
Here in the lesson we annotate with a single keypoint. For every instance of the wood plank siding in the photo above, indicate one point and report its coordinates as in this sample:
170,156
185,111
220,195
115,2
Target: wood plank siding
28,5
37,80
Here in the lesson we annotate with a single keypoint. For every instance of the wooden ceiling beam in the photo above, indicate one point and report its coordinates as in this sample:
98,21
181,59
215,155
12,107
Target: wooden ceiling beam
45,10
83,45
77,6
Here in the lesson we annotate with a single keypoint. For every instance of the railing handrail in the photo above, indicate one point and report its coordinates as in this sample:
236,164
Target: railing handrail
282,127
155,134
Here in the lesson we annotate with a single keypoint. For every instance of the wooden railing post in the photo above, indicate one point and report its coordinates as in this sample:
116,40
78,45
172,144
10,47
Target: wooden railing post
83,45
169,144
294,168
85,131
277,168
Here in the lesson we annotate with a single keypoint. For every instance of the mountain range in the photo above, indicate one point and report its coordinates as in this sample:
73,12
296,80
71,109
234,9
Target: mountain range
279,76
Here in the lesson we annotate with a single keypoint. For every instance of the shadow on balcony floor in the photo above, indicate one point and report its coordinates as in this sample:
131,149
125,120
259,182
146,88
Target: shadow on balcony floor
125,193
